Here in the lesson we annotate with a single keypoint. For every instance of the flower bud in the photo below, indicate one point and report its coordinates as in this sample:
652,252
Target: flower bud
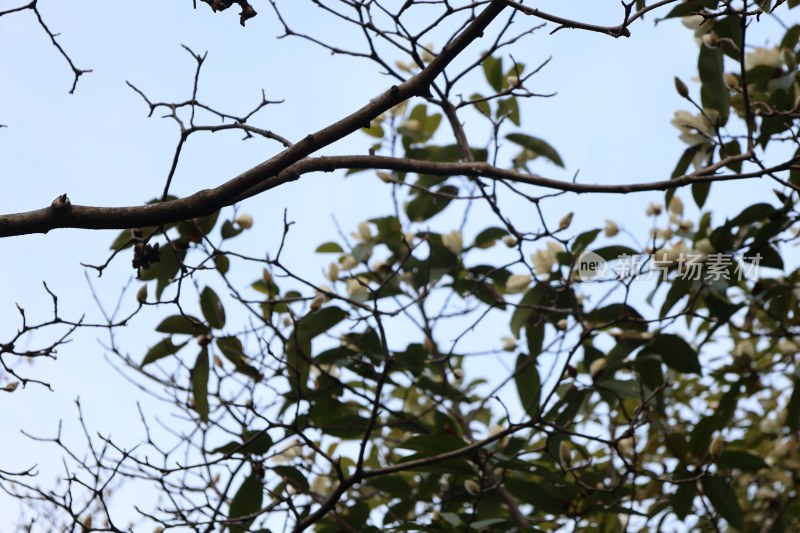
681,87
266,277
472,486
654,209
385,176
611,228
565,221
317,302
453,241
597,367
731,81
11,387
676,206
512,81
509,344
562,324
565,454
333,272
715,447
141,295
509,240
347,262
245,221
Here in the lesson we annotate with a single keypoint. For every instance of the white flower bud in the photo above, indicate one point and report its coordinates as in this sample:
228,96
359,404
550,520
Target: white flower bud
715,447
355,287
453,241
611,228
317,302
512,81
385,176
472,487
509,344
333,272
245,221
597,367
11,387
509,240
565,454
626,446
562,324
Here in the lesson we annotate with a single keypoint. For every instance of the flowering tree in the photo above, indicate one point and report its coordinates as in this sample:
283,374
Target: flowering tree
514,373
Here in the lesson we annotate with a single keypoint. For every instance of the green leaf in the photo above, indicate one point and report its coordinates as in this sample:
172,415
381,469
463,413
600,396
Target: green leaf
793,408
488,237
199,378
714,93
212,308
493,70
534,334
744,461
222,263
232,349
682,499
247,501
610,253
164,348
329,248
526,377
723,498
228,230
425,206
676,353
583,240
319,322
536,145
182,325
700,193
509,108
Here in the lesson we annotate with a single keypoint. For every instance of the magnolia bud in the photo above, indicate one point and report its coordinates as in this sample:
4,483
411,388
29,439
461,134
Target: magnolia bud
711,39
653,209
681,87
244,221
472,486
509,240
715,447
141,295
731,81
333,272
11,387
317,302
565,221
565,454
597,367
266,277
348,262
509,344
512,81
385,176
611,228
562,324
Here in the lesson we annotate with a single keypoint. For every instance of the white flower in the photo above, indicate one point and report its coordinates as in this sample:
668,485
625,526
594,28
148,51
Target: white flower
543,260
770,57
355,287
715,447
317,302
611,228
676,206
626,446
518,283
364,231
453,241
698,23
653,209
695,129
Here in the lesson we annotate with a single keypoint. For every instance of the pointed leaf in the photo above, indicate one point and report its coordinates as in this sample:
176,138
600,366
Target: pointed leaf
536,145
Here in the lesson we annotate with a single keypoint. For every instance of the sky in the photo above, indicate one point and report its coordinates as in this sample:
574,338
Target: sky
609,121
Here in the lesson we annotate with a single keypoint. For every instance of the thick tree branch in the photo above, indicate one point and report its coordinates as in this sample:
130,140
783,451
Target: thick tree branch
207,201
